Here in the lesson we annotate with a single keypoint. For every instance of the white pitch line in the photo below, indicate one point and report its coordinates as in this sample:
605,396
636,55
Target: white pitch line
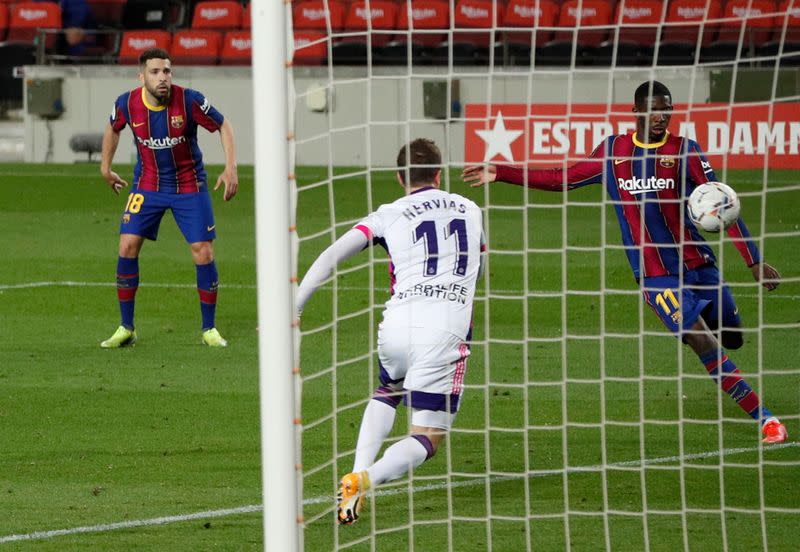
69,283
209,514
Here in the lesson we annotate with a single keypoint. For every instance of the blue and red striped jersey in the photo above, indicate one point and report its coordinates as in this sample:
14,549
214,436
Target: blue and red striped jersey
648,184
168,157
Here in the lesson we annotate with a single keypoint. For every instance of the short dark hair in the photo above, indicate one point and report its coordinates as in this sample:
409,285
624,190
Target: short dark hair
153,53
650,88
425,162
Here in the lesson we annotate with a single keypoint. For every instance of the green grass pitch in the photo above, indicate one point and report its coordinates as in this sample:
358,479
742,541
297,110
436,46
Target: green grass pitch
169,428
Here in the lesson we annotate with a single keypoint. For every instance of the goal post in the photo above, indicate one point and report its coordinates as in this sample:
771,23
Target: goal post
275,267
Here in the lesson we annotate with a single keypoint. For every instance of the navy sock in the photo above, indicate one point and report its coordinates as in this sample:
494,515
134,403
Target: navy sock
207,283
127,284
717,362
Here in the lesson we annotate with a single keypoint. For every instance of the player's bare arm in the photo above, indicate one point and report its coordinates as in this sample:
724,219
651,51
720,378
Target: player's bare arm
229,176
110,143
478,175
768,275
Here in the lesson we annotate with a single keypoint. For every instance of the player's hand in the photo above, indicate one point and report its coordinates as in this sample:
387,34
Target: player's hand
478,175
767,275
114,181
230,178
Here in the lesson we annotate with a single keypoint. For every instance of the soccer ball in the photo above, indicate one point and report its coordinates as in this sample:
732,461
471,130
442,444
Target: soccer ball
714,206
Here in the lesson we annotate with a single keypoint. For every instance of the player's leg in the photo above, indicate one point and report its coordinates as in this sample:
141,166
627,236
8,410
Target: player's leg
400,458
380,412
195,218
722,307
680,309
141,219
377,422
437,365
725,373
405,455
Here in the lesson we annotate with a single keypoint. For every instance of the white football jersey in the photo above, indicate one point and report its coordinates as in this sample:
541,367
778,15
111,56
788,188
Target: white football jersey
434,240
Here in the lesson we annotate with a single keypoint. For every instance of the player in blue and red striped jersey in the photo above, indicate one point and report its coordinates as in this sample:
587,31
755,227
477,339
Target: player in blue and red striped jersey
169,174
648,175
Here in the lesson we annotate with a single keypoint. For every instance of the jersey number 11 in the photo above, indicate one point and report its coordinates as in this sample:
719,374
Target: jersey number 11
426,231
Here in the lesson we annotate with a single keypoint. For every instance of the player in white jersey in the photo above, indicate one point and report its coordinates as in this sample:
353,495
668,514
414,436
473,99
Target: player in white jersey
435,242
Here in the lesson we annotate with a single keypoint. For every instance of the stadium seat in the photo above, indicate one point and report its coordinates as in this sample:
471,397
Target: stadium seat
757,31
789,11
638,22
312,15
3,21
471,39
430,20
529,15
134,43
310,47
196,47
592,22
26,18
236,48
686,19
225,15
153,14
382,15
107,13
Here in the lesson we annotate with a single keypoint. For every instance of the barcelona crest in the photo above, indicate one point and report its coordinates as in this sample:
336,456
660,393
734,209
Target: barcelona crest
667,162
176,121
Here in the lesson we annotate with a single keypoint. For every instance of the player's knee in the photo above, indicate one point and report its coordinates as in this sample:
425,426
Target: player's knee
732,339
429,440
129,247
202,253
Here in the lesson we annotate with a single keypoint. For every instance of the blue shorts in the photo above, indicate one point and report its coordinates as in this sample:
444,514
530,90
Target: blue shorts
192,212
702,294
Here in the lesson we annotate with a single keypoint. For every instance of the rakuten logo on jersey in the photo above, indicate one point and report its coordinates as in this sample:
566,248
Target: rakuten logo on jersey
161,143
643,185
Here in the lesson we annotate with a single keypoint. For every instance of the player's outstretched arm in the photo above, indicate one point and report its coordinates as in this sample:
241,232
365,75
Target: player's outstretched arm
769,277
478,175
110,143
351,243
229,176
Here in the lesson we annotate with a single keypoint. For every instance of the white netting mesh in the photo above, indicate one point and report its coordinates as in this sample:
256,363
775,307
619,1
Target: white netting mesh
585,425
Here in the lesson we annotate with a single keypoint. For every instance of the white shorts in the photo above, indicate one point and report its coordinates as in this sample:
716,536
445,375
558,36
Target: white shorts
430,363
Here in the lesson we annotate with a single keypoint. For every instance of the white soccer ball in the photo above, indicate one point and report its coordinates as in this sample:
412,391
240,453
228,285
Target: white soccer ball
714,206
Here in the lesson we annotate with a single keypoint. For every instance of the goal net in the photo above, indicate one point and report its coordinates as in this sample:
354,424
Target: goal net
585,424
